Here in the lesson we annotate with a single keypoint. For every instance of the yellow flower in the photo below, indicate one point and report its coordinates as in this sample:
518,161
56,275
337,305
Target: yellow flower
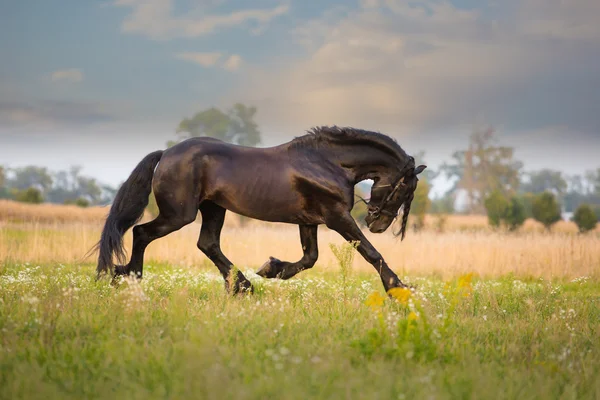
375,301
412,316
464,283
465,280
400,294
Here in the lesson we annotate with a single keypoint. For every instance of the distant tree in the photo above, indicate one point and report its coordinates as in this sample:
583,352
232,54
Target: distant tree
236,126
30,195
443,204
515,214
596,209
70,185
545,209
545,180
482,168
526,200
4,192
420,204
31,176
243,130
594,178
496,205
88,188
585,218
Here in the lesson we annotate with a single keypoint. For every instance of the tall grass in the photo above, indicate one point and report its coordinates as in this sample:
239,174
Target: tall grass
424,253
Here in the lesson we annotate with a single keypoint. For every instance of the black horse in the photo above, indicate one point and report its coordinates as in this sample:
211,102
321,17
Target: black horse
308,181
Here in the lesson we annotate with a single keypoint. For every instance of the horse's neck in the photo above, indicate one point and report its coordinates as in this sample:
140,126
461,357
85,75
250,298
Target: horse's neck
365,162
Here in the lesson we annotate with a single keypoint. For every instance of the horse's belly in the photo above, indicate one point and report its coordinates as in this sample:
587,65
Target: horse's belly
286,209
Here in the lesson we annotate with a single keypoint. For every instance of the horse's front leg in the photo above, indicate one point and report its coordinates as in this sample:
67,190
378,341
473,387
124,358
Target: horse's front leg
346,226
275,268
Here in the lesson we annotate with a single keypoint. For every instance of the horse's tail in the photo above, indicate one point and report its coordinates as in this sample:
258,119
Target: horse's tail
127,209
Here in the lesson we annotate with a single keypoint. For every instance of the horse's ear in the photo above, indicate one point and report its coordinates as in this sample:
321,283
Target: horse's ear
420,169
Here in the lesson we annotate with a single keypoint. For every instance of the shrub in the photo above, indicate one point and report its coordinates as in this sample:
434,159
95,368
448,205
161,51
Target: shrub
496,206
31,195
515,214
79,202
585,218
596,209
545,209
505,211
420,204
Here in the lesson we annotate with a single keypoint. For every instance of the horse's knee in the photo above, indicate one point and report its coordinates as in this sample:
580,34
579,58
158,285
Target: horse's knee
310,258
209,248
373,256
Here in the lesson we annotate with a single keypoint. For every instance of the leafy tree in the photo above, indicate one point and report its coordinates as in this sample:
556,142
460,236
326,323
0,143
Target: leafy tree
420,204
497,207
545,180
244,131
31,176
594,178
234,126
30,195
515,214
545,209
483,168
585,218
4,192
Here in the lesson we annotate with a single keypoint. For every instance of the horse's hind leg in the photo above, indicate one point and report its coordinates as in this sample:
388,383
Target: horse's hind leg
169,220
275,268
213,217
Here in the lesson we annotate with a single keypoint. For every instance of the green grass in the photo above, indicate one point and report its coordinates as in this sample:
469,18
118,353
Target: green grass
177,335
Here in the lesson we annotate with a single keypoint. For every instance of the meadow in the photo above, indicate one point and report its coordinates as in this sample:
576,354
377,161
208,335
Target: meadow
493,315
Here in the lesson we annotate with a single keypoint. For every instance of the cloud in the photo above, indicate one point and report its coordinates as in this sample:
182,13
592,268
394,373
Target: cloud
427,65
207,60
54,113
203,59
233,62
69,75
155,19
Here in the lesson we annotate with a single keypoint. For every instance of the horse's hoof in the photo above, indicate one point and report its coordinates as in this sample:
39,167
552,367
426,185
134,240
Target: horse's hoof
268,269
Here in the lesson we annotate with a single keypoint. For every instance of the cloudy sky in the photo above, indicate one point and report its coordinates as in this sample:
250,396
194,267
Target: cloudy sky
101,83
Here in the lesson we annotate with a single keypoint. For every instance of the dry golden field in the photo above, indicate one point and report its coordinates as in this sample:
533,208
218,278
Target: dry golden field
64,234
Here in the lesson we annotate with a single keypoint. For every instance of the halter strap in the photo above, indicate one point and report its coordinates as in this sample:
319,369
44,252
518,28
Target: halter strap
380,208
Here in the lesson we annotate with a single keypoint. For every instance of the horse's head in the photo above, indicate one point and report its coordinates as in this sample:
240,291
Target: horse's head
388,195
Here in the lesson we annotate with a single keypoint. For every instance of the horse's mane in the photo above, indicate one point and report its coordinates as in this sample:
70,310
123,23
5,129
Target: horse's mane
324,135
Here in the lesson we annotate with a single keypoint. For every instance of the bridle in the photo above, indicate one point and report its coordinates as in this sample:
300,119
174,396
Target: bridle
376,211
